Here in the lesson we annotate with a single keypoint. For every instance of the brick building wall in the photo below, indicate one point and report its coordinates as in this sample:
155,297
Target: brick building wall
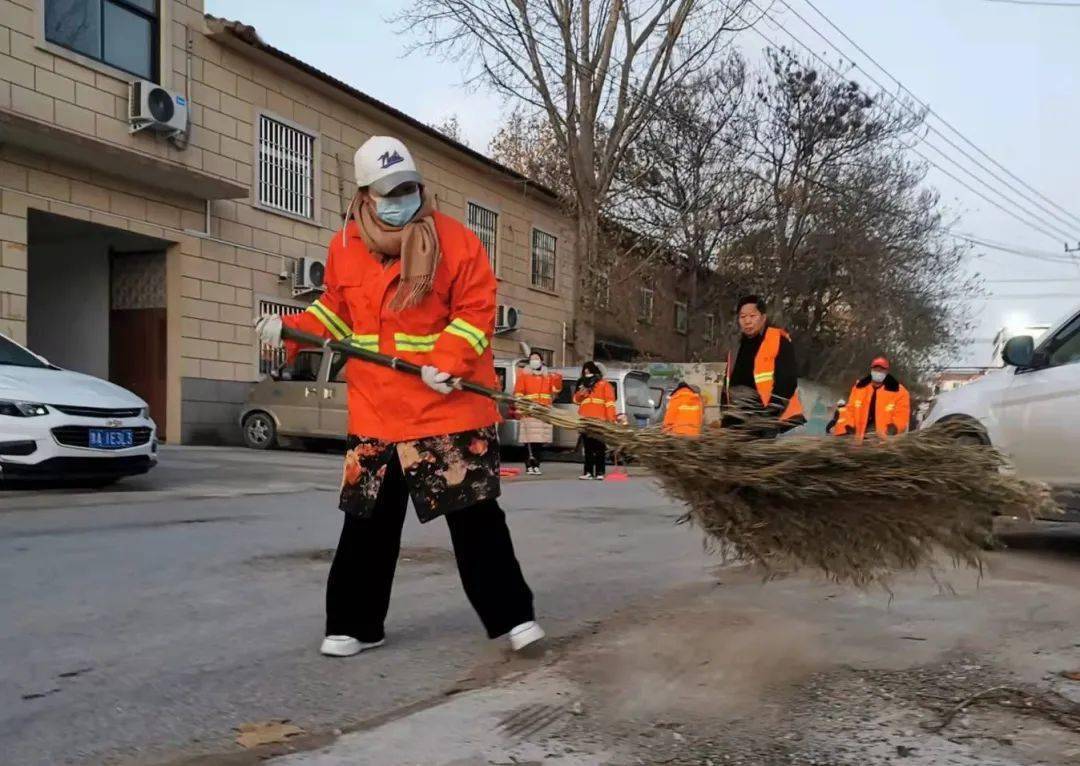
88,166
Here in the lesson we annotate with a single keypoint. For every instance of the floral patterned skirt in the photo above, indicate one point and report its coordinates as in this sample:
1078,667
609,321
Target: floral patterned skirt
443,473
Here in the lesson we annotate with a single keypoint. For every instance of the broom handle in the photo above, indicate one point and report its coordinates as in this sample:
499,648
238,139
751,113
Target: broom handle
383,360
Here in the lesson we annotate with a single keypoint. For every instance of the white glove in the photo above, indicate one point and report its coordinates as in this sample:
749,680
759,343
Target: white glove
268,328
437,379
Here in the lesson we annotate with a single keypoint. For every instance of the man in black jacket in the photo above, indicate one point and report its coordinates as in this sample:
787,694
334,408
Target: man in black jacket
763,380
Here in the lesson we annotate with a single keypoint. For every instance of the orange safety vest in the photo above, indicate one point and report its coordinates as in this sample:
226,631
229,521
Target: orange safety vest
892,407
684,413
765,372
538,387
597,403
450,329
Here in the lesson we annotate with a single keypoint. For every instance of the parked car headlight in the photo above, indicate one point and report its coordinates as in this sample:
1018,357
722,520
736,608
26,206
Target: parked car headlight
144,412
22,409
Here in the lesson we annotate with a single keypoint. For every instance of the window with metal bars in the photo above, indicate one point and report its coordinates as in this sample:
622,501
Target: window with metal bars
286,168
682,318
646,301
543,260
485,223
120,33
710,327
271,358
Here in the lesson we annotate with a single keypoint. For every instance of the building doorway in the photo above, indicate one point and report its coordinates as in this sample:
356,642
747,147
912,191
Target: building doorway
96,304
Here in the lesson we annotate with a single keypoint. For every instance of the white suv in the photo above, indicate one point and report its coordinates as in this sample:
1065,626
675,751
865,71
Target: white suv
57,424
1030,410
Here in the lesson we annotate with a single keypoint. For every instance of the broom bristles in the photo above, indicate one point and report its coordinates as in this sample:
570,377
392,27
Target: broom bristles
857,513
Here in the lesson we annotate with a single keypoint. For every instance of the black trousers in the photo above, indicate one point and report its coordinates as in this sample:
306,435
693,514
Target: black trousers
362,573
595,456
533,458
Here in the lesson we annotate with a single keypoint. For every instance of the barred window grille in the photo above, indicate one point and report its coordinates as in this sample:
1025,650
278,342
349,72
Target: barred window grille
286,168
682,319
646,300
271,358
710,327
485,223
547,354
543,260
603,291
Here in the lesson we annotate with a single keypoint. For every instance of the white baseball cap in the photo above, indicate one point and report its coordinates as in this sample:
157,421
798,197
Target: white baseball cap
382,163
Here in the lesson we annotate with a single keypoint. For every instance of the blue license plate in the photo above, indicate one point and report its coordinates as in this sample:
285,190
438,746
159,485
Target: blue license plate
111,438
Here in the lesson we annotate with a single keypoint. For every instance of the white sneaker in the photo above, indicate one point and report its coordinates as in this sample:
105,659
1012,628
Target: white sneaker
585,477
537,471
345,646
525,634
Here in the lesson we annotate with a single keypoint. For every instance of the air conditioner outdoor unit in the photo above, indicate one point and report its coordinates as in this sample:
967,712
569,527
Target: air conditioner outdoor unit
309,276
507,318
152,107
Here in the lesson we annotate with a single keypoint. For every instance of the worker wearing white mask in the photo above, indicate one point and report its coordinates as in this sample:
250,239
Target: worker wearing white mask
405,280
537,384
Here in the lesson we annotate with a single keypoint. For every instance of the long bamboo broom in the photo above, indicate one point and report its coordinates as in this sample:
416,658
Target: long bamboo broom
854,512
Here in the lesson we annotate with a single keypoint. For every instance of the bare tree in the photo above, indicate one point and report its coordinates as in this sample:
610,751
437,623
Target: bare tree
451,128
853,250
595,68
526,143
685,181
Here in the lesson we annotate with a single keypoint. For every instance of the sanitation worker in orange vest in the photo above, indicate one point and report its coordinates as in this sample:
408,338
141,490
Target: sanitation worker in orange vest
406,280
537,384
595,399
878,404
763,381
685,412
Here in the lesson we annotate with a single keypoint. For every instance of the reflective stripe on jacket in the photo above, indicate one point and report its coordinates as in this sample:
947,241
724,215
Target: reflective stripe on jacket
684,413
541,388
892,407
450,329
765,372
597,403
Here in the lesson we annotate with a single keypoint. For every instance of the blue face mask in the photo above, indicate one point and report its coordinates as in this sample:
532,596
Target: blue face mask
397,211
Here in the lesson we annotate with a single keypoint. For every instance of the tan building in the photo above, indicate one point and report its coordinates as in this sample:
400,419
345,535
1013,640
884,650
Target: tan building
143,256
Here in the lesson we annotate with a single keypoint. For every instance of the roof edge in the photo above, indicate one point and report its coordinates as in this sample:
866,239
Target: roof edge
248,35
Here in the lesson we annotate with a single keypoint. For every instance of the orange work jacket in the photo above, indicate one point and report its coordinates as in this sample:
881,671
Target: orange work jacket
450,329
684,413
892,407
597,403
765,372
538,387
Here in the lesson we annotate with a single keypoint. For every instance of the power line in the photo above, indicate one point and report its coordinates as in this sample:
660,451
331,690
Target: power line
611,76
945,122
1014,250
1036,3
1068,234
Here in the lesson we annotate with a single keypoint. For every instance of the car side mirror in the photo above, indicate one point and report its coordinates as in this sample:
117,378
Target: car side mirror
1019,351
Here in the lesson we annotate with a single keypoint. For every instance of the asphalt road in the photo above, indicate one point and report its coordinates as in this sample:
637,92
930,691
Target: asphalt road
143,624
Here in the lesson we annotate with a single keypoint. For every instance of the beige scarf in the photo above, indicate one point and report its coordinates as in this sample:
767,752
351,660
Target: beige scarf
416,244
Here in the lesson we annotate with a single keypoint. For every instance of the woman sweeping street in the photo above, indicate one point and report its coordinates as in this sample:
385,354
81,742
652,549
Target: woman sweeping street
595,398
406,280
536,384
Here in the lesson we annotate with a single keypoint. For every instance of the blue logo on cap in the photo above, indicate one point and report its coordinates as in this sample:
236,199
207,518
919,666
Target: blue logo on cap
387,159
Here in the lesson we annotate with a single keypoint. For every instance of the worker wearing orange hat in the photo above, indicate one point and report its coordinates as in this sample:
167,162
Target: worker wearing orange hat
878,404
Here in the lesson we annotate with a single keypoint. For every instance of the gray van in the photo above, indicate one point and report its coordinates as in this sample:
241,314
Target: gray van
305,399
641,405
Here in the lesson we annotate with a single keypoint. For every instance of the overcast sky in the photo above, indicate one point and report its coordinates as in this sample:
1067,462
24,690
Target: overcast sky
1005,75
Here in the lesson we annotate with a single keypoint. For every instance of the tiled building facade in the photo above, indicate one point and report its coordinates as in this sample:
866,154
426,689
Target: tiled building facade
121,246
